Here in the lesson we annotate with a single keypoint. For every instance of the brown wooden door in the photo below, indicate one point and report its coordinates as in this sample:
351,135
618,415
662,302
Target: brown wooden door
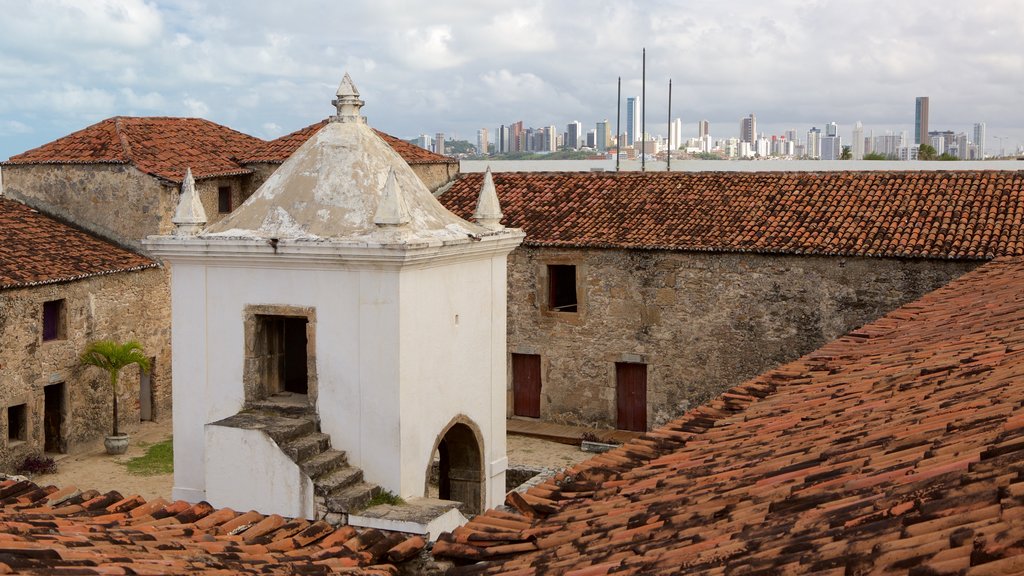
631,394
526,385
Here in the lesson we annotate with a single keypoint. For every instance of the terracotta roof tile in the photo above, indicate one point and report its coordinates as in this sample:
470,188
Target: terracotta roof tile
895,449
963,215
278,150
162,147
177,538
36,249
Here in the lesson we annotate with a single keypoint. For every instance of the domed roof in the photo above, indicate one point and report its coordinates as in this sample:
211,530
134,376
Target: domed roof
345,184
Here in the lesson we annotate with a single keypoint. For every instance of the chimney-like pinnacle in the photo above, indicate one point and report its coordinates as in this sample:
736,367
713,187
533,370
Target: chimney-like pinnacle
488,210
347,102
392,210
190,217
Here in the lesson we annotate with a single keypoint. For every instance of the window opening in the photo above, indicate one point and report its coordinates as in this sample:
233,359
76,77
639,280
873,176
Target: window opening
53,320
224,199
562,287
17,423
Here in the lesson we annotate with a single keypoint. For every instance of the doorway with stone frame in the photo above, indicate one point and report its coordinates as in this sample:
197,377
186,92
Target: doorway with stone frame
280,353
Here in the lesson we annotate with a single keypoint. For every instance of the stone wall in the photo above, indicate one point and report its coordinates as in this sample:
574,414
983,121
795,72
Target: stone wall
116,201
436,175
701,322
123,306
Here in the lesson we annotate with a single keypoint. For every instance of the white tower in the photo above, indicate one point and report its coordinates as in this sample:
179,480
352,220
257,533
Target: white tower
343,284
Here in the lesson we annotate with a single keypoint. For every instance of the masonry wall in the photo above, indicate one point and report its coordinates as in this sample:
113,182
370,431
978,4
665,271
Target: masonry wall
116,201
123,306
701,322
436,175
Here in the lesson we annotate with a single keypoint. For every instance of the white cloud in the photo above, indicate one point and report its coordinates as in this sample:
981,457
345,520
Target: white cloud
12,127
195,108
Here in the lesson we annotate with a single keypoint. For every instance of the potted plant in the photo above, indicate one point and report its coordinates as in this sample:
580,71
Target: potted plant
112,357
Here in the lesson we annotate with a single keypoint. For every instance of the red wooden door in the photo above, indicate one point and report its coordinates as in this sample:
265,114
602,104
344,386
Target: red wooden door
526,385
631,394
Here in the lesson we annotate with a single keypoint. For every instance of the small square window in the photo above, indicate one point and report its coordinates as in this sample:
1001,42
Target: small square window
53,320
562,287
17,423
224,199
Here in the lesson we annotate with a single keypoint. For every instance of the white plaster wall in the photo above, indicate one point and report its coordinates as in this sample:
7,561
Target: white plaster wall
188,391
453,364
245,469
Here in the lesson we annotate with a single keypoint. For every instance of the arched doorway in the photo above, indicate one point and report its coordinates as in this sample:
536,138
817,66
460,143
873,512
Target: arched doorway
460,467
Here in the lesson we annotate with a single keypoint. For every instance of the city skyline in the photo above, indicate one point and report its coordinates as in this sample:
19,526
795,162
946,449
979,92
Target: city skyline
454,68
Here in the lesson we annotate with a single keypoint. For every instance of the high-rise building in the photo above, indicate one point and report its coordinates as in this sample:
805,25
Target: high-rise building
423,141
603,136
979,139
814,143
517,137
632,120
831,147
550,139
858,141
592,139
703,129
675,134
501,145
921,120
573,135
483,142
831,129
439,143
748,129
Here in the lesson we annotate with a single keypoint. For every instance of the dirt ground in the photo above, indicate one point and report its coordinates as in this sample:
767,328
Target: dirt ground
94,469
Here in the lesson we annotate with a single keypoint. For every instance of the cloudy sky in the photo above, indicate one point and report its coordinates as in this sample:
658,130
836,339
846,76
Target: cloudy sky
267,68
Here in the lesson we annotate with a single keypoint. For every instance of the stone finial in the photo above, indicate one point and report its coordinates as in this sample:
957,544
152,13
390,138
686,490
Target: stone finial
190,218
392,209
488,209
347,102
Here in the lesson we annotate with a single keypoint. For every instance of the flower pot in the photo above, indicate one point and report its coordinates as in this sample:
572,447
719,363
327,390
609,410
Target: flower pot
116,444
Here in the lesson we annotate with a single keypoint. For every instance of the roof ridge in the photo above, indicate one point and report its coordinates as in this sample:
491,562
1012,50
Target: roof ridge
123,139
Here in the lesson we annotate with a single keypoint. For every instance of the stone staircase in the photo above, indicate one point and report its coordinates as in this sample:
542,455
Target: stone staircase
339,488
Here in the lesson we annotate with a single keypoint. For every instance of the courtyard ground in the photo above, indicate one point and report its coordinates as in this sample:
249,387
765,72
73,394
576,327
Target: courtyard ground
93,469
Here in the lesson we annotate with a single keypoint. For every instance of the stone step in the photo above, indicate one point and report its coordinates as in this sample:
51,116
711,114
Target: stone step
282,429
352,498
323,462
305,447
337,480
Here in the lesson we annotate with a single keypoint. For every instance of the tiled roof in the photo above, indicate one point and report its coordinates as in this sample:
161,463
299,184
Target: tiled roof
277,151
896,449
163,147
68,531
36,249
970,214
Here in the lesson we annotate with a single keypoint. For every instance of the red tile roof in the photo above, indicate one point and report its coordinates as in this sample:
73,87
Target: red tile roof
163,147
897,449
50,531
36,249
969,214
277,151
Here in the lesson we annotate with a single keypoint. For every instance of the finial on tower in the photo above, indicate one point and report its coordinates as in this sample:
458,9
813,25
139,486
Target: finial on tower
190,217
488,210
347,102
392,210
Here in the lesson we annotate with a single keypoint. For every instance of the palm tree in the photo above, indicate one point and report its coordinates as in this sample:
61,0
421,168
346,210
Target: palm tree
112,357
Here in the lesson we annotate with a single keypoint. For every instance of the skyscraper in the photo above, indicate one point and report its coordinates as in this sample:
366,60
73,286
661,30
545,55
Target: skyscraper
483,142
979,139
748,129
703,128
675,134
921,120
632,120
573,135
602,136
858,141
439,143
814,143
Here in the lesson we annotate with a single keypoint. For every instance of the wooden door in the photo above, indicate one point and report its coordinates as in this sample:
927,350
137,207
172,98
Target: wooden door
631,396
526,385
